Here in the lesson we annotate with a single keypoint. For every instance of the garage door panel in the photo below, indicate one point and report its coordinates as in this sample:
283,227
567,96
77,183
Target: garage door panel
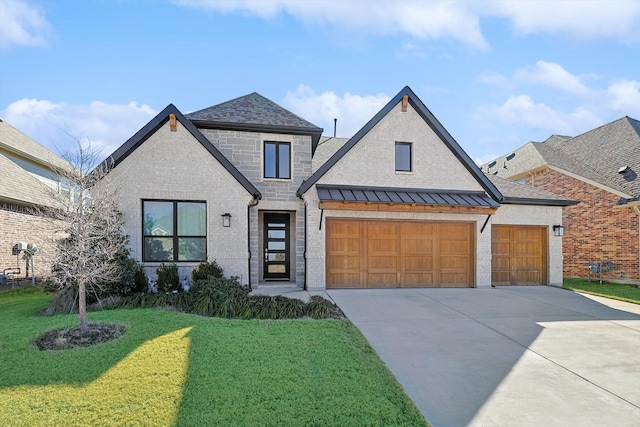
400,253
518,255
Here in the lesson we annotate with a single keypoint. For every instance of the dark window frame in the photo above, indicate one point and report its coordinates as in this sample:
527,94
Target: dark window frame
277,145
175,236
410,145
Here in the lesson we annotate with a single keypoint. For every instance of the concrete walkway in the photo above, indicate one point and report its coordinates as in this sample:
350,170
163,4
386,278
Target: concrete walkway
523,356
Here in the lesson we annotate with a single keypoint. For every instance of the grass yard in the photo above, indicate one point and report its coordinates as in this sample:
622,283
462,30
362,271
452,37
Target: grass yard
617,291
172,368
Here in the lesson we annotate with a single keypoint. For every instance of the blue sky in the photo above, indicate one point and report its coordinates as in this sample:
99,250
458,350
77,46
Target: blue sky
497,74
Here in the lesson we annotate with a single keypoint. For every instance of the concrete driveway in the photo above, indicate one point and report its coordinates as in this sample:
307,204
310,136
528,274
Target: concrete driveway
518,356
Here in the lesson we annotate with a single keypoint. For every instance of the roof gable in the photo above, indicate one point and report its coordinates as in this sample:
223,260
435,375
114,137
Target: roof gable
156,123
433,124
254,112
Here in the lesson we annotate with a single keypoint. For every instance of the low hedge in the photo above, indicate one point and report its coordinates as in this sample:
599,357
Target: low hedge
226,297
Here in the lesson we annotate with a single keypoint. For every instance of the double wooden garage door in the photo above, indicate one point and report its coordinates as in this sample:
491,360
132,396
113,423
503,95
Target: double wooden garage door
390,254
518,255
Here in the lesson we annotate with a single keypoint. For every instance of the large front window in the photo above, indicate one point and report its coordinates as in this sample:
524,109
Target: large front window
277,160
174,230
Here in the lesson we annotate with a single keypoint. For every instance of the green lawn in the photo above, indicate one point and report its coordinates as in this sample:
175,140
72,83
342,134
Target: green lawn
617,291
172,368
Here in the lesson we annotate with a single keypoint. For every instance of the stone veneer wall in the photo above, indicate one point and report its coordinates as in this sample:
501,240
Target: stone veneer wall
595,230
245,151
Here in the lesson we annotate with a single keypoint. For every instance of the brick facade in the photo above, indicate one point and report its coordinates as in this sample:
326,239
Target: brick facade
19,224
595,230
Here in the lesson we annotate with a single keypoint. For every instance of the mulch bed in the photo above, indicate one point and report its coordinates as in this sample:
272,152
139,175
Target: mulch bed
65,338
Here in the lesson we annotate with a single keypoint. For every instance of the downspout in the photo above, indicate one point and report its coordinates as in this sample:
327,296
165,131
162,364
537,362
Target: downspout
304,255
249,206
637,209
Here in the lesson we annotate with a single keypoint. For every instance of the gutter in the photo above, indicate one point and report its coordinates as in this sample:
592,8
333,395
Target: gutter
256,199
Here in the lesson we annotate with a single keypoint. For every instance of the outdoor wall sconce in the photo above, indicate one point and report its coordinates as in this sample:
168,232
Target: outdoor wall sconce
226,220
558,230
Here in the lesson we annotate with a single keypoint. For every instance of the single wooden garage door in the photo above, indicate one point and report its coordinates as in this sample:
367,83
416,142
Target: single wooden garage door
518,255
391,254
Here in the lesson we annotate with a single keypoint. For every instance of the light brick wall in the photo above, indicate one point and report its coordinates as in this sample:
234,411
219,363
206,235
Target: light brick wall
595,230
16,225
547,216
175,166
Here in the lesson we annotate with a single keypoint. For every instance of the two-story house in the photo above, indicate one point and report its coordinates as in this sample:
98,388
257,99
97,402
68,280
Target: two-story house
399,204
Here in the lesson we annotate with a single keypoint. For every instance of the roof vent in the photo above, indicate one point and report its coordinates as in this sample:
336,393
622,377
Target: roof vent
510,156
492,164
623,170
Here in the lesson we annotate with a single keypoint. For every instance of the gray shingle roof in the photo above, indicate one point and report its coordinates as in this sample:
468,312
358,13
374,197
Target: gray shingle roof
327,147
515,193
599,154
13,140
19,186
411,196
252,109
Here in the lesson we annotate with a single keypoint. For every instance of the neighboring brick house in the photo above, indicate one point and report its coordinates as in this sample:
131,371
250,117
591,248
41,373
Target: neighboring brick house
600,169
27,177
399,204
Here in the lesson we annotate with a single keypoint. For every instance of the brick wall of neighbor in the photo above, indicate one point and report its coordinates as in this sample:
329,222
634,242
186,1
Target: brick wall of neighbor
17,225
595,230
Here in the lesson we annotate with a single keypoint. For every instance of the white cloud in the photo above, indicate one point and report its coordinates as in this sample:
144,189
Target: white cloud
58,125
552,75
455,20
22,25
610,19
422,20
352,111
624,96
523,111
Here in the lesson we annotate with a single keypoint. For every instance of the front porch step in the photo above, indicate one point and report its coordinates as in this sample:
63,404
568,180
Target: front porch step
275,285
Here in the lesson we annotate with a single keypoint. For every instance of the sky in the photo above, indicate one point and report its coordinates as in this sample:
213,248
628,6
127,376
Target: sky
495,73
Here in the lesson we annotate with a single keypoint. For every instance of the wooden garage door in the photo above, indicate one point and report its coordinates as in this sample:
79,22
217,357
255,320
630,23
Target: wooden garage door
390,254
519,255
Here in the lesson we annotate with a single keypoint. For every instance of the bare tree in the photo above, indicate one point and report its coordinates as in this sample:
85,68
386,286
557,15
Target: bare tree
86,207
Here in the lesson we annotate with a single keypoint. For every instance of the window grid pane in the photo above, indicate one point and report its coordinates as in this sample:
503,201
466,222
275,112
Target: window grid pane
270,160
277,160
174,231
403,156
283,161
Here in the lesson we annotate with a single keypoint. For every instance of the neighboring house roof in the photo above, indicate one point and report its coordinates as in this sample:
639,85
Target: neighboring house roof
599,155
521,194
411,196
327,147
255,113
16,142
19,186
433,123
158,121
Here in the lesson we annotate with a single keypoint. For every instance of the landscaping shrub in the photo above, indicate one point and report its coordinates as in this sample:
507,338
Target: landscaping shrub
220,297
273,307
168,278
321,308
207,270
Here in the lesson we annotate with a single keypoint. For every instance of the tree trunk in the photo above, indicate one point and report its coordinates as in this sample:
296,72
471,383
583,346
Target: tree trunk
82,306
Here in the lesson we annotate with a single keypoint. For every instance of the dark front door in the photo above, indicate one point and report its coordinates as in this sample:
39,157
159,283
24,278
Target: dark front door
276,246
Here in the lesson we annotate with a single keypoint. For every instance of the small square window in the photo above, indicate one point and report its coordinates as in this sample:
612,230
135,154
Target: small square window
277,160
403,157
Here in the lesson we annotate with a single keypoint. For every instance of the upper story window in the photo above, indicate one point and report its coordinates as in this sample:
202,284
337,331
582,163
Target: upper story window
174,230
403,157
277,160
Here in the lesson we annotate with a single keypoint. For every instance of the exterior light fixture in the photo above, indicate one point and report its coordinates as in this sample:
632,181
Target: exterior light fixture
226,219
558,230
